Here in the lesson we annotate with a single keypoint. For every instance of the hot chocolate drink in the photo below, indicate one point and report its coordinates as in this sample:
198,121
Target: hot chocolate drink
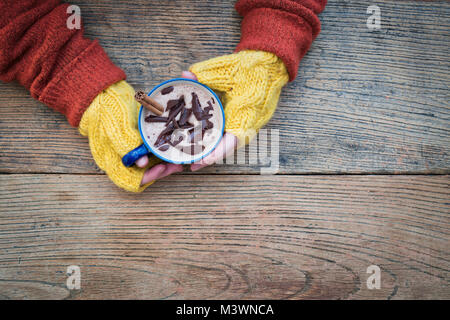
190,125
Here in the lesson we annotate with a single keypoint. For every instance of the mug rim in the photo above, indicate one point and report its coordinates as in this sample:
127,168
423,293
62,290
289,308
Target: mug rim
151,150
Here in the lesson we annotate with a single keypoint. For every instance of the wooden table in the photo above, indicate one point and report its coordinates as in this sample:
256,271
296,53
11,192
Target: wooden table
363,178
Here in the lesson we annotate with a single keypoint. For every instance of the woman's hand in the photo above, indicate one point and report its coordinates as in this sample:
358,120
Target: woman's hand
250,83
225,146
158,171
110,123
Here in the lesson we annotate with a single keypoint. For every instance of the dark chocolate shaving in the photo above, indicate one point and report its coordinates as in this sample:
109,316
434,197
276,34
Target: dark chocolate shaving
175,102
209,107
196,107
168,129
187,125
164,148
165,135
171,104
185,116
176,110
152,118
213,101
162,139
206,125
205,116
167,90
200,114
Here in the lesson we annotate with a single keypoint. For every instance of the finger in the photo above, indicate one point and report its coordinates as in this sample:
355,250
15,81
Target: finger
152,173
142,162
160,171
206,161
188,75
226,145
170,169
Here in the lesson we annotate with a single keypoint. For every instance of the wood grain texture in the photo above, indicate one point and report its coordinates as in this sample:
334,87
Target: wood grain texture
364,101
241,237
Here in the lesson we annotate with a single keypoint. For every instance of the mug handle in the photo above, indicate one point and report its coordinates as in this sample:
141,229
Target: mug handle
131,157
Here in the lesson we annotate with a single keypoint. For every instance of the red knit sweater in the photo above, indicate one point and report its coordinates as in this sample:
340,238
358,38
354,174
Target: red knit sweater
66,71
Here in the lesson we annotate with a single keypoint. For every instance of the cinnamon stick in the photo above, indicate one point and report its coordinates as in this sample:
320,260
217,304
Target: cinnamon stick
154,103
149,103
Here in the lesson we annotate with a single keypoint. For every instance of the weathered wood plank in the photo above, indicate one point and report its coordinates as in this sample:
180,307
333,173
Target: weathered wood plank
226,237
364,101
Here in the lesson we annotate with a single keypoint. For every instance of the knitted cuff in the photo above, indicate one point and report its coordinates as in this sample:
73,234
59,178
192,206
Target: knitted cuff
73,89
284,28
110,122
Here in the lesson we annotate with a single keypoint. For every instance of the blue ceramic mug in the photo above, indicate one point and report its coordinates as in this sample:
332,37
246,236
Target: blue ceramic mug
146,148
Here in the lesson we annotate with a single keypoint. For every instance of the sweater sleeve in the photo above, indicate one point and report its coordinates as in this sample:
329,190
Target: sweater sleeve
285,28
58,65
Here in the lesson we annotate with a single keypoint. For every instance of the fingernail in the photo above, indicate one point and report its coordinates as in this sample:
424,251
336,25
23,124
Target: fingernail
188,75
142,162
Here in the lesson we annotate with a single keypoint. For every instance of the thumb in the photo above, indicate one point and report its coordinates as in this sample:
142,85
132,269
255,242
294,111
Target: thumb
189,75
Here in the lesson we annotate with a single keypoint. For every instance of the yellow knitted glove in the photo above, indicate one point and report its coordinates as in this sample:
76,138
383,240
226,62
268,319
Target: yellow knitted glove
110,123
251,83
